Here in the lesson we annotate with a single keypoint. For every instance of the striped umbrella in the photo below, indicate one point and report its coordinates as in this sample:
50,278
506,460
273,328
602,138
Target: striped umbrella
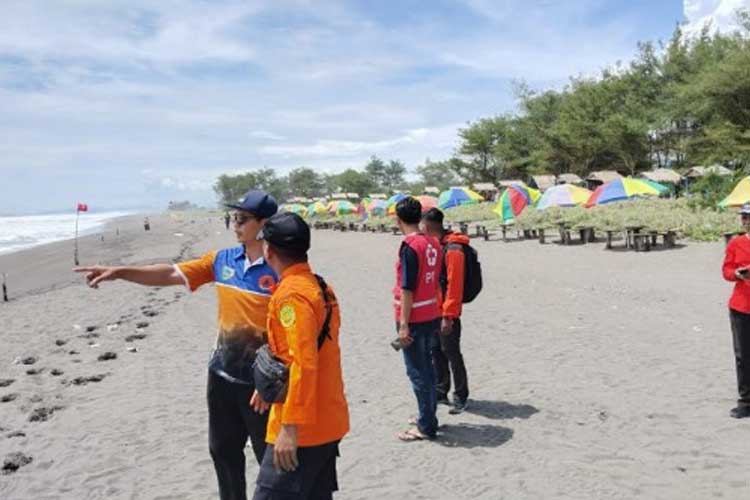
514,200
620,189
342,207
563,195
427,202
316,208
455,197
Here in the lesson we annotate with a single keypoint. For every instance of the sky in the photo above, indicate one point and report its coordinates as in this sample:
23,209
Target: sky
132,103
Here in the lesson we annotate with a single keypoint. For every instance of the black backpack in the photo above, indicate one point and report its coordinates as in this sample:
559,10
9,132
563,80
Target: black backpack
472,271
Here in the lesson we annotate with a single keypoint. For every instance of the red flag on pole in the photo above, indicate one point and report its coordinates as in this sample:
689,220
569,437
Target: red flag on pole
82,207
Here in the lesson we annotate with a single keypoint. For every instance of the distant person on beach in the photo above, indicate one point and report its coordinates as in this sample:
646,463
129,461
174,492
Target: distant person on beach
737,268
303,332
417,313
146,224
227,219
243,284
446,353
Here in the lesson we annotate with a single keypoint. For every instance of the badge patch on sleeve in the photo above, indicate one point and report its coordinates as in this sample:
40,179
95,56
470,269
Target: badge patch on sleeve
287,316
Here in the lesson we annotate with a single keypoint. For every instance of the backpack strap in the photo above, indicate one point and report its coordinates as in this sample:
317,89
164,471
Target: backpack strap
325,332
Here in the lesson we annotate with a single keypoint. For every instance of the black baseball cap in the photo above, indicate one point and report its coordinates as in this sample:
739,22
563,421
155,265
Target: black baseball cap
288,231
258,203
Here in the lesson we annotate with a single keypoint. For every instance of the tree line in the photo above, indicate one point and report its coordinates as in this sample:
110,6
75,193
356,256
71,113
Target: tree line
677,104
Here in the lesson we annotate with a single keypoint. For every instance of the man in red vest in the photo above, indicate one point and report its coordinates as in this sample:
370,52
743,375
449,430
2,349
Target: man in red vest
417,313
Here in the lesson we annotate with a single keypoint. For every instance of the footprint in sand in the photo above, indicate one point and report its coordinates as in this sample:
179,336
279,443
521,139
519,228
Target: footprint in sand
92,328
73,352
60,342
87,380
15,461
6,382
107,356
36,399
141,324
135,336
56,372
29,360
150,313
44,413
7,398
34,371
15,434
92,335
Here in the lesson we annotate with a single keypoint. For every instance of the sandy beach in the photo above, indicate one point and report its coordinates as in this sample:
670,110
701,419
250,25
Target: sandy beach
594,374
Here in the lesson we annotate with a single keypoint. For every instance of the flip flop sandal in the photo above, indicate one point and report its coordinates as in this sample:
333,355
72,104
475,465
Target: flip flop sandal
412,421
411,435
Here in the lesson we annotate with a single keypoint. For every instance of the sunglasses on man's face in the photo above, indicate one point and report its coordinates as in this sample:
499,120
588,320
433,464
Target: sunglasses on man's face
240,219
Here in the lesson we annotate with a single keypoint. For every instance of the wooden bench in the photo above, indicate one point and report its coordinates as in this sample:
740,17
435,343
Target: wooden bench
564,233
587,234
642,242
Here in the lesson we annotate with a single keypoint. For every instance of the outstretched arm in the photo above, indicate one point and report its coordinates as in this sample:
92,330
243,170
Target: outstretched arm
153,275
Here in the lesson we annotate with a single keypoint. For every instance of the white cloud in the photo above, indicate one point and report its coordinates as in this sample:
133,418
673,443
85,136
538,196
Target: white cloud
719,15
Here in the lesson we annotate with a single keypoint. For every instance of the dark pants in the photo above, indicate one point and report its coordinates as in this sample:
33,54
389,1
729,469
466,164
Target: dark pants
447,358
741,336
313,479
231,421
418,360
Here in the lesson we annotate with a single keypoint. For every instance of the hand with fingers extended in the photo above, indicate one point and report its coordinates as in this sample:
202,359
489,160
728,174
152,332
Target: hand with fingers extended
257,403
97,274
285,449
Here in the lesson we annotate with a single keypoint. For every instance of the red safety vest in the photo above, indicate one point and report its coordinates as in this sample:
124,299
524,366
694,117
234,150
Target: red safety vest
429,254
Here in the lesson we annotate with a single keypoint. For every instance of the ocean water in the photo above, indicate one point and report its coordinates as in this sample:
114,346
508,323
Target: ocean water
26,231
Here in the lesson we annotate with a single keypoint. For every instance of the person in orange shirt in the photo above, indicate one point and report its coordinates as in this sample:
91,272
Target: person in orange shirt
736,268
305,430
243,287
446,355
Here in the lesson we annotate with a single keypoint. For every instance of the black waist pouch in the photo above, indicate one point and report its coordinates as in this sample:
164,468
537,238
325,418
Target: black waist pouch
271,376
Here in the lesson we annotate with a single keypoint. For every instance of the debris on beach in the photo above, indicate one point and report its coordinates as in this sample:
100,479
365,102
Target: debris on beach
73,352
89,379
107,356
112,327
34,371
15,461
56,372
7,398
132,349
135,336
92,328
93,345
76,327
43,414
30,360
60,342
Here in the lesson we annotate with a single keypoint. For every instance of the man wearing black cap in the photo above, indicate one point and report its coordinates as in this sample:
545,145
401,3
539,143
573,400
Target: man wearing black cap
243,284
303,331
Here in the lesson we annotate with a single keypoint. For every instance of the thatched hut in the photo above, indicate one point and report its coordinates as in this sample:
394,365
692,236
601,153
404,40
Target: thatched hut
486,189
431,190
662,176
377,196
596,179
698,171
542,182
569,179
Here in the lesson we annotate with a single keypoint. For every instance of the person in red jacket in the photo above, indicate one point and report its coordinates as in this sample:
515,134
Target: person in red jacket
446,354
736,268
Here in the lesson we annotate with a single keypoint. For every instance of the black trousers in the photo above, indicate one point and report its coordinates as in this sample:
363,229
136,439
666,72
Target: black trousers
741,337
447,358
231,421
314,478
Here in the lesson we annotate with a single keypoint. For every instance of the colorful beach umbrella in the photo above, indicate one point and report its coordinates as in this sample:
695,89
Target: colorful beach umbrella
343,207
739,195
514,200
377,207
427,202
455,197
659,187
316,208
563,195
620,189
295,208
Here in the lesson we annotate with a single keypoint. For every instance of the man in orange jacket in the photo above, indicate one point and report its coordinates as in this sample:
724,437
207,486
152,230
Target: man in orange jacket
446,354
304,431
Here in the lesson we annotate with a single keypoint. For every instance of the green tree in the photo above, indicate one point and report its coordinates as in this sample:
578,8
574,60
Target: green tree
437,173
230,188
376,171
353,181
393,176
305,182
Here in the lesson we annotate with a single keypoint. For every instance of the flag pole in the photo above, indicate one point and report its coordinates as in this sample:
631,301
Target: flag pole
75,252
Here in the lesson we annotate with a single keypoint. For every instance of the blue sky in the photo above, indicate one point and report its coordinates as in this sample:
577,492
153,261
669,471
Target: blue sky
131,103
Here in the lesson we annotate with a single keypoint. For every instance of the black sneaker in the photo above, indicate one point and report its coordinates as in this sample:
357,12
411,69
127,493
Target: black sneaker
458,407
740,412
